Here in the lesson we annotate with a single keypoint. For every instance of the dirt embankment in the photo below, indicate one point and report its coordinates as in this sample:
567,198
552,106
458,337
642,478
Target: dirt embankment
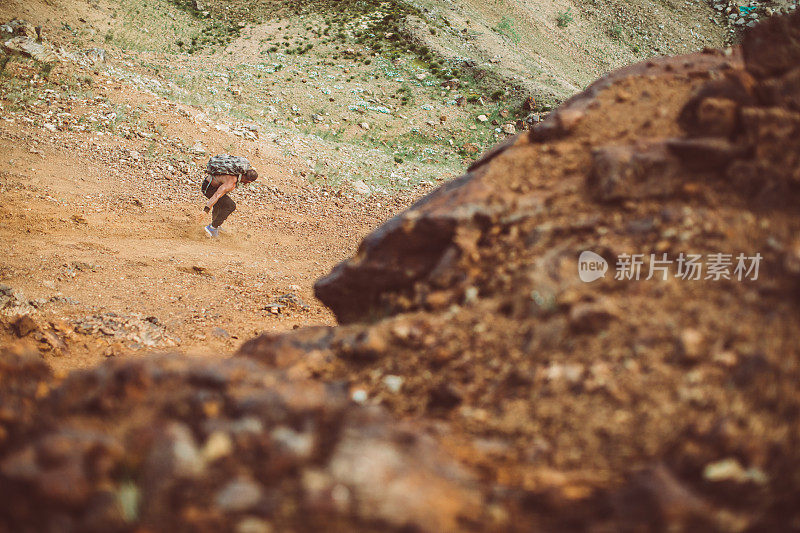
652,397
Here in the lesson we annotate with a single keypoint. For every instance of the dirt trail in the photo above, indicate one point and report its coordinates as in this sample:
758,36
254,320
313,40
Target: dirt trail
87,225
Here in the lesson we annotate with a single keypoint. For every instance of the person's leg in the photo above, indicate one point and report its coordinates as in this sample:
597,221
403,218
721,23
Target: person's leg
207,190
222,209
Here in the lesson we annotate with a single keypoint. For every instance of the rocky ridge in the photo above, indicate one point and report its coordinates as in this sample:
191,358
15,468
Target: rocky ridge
470,300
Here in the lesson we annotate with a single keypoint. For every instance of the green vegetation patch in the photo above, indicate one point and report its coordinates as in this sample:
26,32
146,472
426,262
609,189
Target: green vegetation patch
564,18
506,27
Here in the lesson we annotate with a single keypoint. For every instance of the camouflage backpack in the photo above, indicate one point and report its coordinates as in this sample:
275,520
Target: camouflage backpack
228,164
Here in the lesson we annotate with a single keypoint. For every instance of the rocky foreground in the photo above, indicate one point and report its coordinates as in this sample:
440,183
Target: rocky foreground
515,396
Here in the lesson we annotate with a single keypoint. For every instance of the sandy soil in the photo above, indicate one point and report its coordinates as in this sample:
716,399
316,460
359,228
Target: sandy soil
84,219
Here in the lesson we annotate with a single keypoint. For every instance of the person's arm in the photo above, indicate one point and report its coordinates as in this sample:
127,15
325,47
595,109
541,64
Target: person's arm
228,184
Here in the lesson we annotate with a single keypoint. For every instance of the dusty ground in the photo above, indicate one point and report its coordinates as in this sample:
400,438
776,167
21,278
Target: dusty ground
100,162
105,231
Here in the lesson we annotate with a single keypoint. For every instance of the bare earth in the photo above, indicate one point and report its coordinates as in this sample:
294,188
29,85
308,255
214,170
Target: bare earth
82,220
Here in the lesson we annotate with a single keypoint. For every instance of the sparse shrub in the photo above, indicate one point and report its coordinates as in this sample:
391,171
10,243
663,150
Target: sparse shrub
564,18
615,31
44,70
506,27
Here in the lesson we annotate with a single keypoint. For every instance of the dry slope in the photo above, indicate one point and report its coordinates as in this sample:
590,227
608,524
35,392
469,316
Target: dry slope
668,403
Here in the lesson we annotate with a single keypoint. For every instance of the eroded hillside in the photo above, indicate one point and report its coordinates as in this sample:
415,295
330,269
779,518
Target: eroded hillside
479,380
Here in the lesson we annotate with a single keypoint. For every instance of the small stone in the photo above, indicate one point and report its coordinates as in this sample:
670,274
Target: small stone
49,127
482,118
218,445
590,317
730,470
393,383
726,358
239,495
128,497
692,344
361,187
359,396
532,118
470,294
299,444
509,129
571,373
221,333
251,524
364,126
186,458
